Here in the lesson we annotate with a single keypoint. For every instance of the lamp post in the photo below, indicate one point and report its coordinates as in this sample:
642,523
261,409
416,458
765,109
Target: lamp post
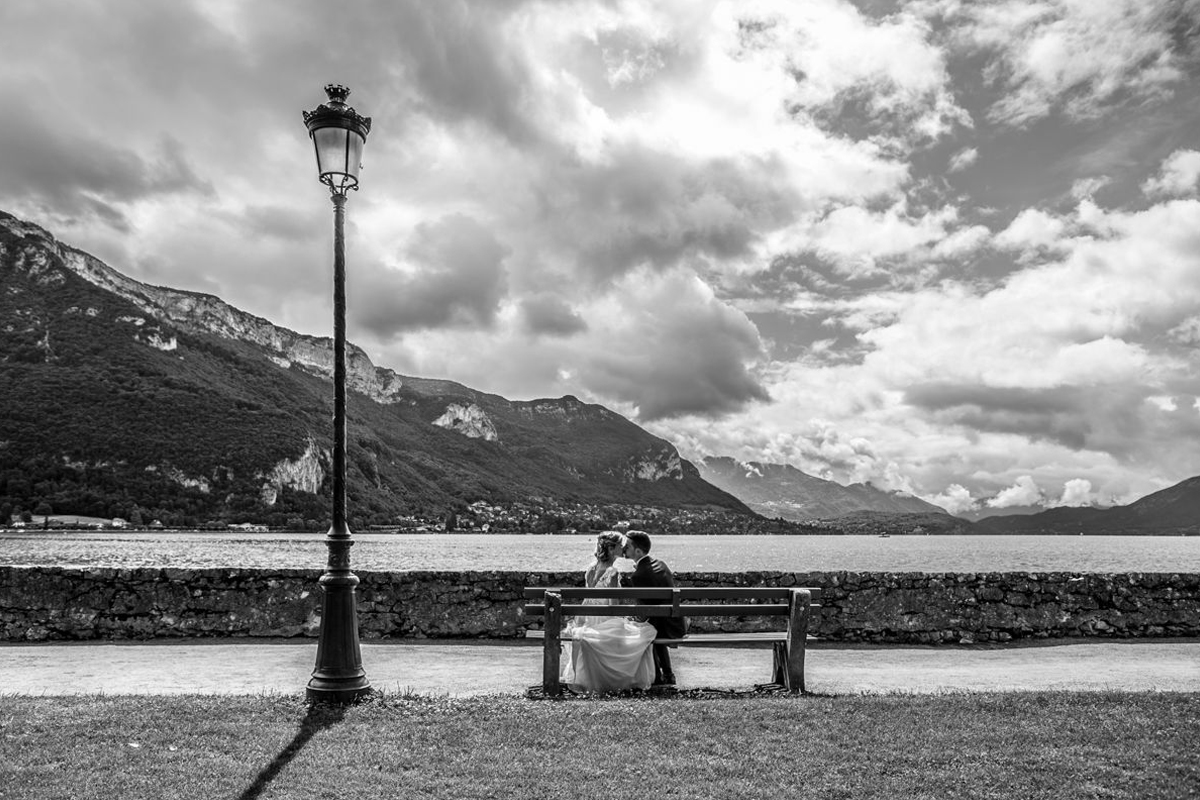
338,134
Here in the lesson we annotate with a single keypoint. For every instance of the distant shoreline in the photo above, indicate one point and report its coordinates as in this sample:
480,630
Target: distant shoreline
38,529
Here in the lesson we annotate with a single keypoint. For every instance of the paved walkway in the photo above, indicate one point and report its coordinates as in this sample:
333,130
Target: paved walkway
478,667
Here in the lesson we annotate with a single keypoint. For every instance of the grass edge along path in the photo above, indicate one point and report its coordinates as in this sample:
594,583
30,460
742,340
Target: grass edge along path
979,745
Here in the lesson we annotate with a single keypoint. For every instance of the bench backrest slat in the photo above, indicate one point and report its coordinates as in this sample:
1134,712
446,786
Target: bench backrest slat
683,593
691,610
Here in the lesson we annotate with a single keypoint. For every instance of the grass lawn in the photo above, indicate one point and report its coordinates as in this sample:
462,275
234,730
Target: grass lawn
1010,745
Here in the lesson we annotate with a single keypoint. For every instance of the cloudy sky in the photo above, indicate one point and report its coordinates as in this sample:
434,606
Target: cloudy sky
947,247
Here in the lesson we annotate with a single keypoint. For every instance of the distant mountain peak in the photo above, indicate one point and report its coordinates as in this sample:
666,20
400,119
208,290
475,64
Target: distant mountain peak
781,490
199,312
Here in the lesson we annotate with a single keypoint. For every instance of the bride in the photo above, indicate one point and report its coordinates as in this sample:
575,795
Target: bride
607,654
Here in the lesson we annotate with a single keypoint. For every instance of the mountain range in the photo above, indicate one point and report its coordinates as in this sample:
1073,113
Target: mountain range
120,395
125,399
781,490
1174,510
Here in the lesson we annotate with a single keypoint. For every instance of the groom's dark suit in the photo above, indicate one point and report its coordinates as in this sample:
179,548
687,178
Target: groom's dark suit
651,572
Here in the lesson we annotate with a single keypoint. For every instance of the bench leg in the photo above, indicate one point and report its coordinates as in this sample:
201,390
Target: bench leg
779,663
797,638
552,645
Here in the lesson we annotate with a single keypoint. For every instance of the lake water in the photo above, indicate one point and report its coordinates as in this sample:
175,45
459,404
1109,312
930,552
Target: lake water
400,552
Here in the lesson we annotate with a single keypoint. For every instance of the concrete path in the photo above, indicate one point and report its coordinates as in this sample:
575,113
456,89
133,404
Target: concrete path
476,667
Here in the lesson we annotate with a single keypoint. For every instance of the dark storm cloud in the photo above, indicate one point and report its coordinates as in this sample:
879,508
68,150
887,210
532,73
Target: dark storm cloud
281,222
545,314
167,66
148,49
679,351
458,279
463,69
448,60
648,206
1053,415
75,173
1103,417
705,374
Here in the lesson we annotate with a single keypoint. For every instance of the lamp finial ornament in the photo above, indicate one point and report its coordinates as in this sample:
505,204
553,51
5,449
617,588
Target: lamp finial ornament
337,93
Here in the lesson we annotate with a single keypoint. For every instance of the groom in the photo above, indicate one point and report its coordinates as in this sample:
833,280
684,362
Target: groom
652,572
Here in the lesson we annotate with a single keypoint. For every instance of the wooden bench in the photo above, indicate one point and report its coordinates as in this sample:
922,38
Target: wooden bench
555,603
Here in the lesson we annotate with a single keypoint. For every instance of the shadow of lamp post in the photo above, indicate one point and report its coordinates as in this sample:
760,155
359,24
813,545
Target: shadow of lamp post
338,134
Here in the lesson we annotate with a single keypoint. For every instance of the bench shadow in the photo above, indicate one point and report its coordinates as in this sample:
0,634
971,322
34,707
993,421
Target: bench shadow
536,692
319,717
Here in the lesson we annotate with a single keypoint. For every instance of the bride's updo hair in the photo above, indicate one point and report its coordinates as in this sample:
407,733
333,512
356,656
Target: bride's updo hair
606,543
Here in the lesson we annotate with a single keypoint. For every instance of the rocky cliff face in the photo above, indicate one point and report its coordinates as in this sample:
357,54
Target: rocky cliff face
566,409
469,420
656,465
201,312
180,477
305,473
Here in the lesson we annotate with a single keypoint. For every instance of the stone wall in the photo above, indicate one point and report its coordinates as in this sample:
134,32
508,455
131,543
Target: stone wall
60,603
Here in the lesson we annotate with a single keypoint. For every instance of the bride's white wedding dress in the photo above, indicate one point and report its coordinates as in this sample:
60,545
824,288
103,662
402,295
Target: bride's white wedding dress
607,654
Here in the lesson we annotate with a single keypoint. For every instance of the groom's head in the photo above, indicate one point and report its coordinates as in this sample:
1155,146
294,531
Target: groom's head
637,544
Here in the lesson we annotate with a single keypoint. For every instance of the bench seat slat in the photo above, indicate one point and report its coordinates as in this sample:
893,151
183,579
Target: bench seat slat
685,592
717,639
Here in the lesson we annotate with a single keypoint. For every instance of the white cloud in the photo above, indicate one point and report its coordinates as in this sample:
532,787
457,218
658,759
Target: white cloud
864,312
1085,188
1080,319
751,469
890,68
856,239
956,499
1032,228
1076,492
1179,176
962,242
636,64
1187,331
963,159
1024,492
1072,55
1163,402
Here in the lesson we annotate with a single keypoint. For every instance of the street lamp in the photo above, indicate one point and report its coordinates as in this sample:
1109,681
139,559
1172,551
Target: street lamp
338,134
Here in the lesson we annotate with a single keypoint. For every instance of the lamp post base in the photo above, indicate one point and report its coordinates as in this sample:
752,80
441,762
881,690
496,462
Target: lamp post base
340,690
339,676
